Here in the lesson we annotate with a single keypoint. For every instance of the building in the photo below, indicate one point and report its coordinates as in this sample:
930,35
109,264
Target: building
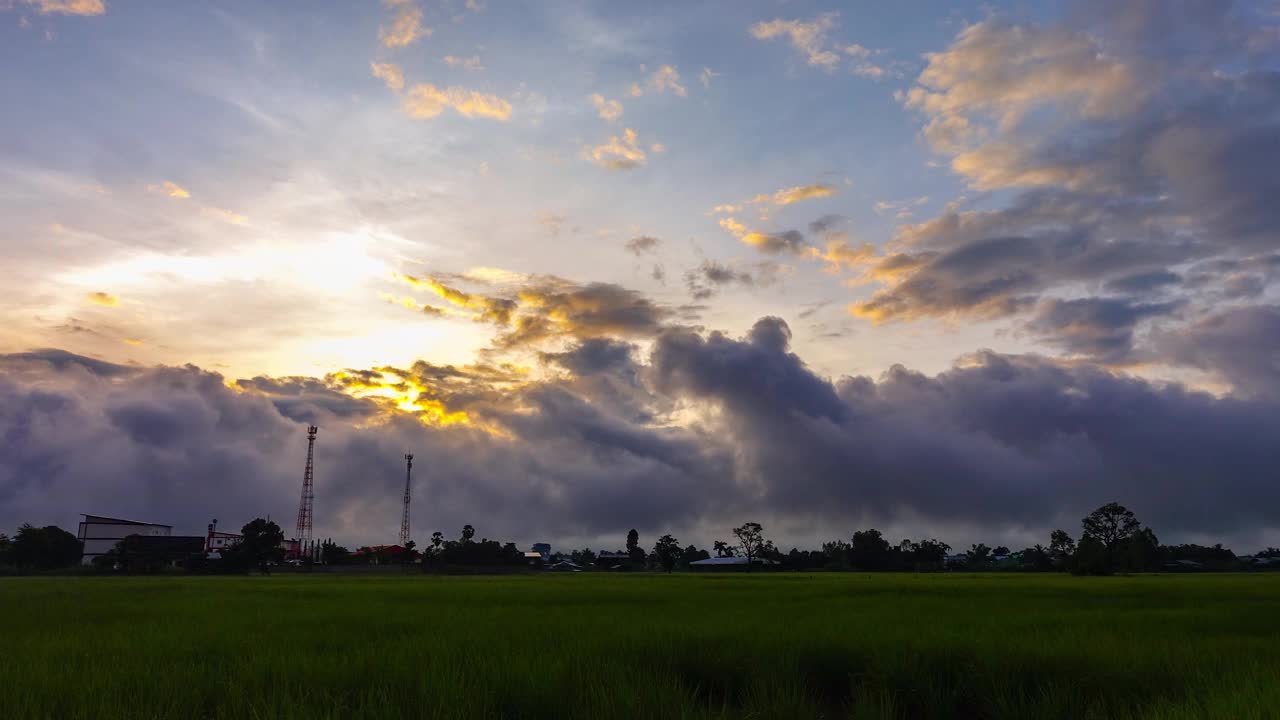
542,549
215,542
99,534
731,564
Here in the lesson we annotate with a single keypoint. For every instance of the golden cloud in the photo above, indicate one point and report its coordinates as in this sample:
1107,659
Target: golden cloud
808,37
608,109
234,218
171,189
406,28
619,153
389,73
426,101
104,299
69,7
790,195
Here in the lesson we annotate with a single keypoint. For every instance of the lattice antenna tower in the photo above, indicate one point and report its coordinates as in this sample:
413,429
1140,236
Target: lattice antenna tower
404,517
303,532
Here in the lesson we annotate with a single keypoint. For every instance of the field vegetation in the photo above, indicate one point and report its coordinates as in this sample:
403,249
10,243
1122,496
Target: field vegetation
767,645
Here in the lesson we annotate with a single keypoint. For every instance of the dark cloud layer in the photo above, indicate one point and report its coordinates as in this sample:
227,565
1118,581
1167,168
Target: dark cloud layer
709,431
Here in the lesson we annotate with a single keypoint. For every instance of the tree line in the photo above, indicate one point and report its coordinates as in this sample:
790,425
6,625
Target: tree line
1111,540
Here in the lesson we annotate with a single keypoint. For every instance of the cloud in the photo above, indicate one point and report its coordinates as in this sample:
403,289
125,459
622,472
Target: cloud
406,27
425,101
766,242
705,280
232,217
1132,145
790,195
389,73
705,430
536,310
809,38
667,78
68,7
642,244
1099,328
619,153
471,64
608,109
706,76
103,299
171,189
1240,345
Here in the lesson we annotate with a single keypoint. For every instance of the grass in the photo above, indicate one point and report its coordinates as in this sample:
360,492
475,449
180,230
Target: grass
641,646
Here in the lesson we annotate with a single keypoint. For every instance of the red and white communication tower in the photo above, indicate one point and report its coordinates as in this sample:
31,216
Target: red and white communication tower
404,517
303,532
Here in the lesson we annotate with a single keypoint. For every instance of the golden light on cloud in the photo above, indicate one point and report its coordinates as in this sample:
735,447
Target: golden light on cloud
69,7
403,394
607,109
790,195
619,153
103,299
234,218
171,189
425,101
390,74
667,78
406,28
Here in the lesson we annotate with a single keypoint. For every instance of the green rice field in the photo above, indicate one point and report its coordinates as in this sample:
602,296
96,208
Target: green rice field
641,646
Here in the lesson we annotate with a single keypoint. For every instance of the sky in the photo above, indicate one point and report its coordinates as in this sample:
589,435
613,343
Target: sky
955,270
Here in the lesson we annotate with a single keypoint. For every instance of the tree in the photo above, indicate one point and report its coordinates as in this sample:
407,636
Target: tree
929,554
6,550
837,554
1090,558
1112,524
44,548
722,549
751,540
1061,548
999,550
978,556
668,551
259,546
692,554
333,554
1142,551
633,547
869,550
1036,559
468,532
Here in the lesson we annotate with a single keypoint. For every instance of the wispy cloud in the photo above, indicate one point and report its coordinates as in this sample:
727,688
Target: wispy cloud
810,38
390,73
406,27
171,189
66,7
425,101
471,64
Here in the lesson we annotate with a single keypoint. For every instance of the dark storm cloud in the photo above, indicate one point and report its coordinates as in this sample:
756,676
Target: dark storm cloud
711,430
592,356
1102,328
1139,140
998,440
1240,345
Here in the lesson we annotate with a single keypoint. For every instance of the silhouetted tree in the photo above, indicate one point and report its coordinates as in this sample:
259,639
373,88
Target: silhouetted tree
977,557
44,548
1110,524
468,533
1090,558
751,540
722,549
6,550
668,551
1142,551
334,554
692,554
869,550
259,546
633,548
999,550
1061,548
837,554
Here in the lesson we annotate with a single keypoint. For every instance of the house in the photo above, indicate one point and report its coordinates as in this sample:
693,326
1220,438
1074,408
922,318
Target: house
98,534
731,564
215,542
612,560
543,549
